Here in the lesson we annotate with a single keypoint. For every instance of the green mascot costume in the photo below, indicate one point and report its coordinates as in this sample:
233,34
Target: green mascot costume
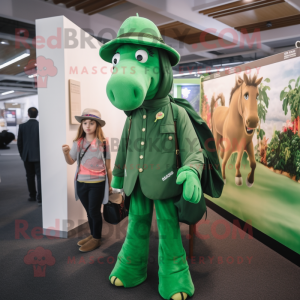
146,166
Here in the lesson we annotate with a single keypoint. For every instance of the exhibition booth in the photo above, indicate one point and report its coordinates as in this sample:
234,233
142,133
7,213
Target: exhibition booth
78,80
159,144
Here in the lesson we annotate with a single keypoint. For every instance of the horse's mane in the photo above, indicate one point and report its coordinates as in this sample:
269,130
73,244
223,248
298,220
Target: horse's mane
237,86
251,82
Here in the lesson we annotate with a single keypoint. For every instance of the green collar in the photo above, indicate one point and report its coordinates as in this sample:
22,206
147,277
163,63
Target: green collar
151,104
155,103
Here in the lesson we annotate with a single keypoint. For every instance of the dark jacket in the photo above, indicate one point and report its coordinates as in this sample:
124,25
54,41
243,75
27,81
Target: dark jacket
29,141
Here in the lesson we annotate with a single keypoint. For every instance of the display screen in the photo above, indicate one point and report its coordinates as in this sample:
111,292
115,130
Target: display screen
255,123
11,117
191,94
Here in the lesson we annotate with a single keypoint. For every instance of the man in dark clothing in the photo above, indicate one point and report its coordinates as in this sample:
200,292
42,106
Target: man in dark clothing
29,149
5,138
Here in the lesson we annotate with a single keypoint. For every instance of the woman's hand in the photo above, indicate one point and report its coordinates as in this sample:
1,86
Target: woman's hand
68,158
110,190
65,149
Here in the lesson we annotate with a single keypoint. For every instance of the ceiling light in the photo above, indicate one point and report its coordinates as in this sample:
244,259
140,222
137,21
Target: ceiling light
230,64
227,64
8,92
18,57
269,24
199,72
4,42
33,75
15,103
184,74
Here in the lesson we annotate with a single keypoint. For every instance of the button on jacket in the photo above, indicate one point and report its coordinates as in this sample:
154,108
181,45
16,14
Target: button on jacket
151,151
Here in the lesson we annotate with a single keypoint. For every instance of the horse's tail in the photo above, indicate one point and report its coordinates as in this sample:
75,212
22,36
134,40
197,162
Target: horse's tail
212,106
222,97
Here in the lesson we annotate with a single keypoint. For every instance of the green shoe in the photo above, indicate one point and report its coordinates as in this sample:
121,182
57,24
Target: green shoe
179,296
116,281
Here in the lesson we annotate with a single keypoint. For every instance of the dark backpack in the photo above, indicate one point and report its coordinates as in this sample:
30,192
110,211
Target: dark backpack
211,180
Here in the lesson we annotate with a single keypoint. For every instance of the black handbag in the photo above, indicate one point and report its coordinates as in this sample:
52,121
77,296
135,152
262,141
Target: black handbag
113,213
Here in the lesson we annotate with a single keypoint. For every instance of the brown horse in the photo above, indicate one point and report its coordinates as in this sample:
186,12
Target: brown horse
233,127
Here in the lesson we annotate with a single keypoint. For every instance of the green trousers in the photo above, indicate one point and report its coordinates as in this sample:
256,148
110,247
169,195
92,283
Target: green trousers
132,261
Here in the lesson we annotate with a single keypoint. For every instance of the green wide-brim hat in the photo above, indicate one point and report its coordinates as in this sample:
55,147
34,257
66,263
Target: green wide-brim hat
140,31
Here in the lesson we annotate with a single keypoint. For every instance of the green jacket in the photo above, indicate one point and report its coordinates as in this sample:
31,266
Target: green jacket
151,150
154,162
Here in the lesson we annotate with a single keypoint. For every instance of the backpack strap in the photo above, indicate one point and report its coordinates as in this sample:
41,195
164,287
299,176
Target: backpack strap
104,148
128,133
174,109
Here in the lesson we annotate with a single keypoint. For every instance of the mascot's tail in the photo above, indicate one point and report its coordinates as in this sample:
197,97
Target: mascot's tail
213,103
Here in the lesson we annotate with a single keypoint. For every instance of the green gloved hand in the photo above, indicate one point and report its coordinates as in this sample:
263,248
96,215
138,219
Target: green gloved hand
192,189
117,182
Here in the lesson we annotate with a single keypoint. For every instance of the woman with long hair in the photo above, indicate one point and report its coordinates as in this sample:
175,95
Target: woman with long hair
93,175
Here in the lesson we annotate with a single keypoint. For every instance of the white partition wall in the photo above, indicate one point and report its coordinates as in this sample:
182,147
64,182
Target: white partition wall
78,60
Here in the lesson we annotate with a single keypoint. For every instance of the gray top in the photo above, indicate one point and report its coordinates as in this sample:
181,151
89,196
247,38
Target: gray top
92,167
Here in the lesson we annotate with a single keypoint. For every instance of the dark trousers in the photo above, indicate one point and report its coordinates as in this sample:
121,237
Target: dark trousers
33,169
91,196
